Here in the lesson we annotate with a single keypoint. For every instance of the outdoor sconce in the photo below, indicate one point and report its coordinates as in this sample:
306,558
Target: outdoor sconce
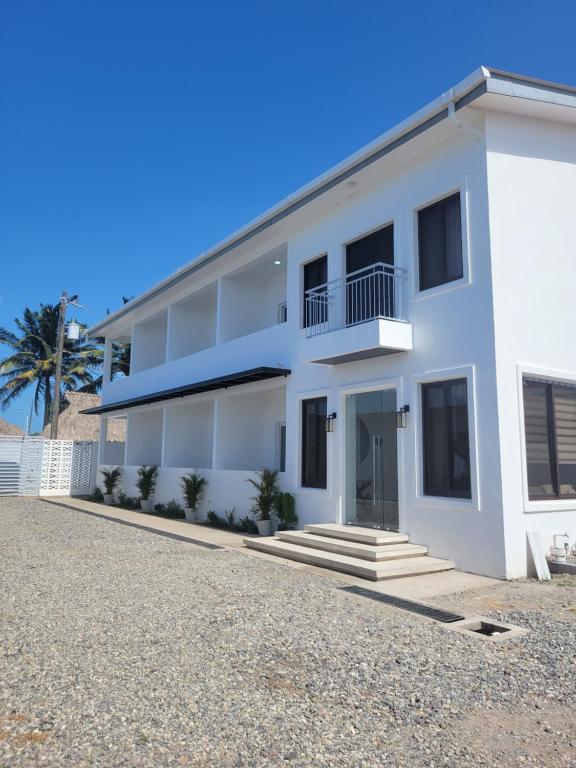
73,331
402,417
329,422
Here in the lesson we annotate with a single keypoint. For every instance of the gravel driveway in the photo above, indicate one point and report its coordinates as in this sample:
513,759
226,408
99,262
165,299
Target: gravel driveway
122,648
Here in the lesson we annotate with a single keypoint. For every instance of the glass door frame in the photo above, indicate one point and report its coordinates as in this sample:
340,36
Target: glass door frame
383,384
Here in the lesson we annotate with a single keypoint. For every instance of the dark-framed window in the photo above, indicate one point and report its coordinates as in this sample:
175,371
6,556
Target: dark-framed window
550,430
315,274
446,441
314,412
369,285
440,243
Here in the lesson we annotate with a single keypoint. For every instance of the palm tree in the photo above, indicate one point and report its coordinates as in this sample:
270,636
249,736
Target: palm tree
32,361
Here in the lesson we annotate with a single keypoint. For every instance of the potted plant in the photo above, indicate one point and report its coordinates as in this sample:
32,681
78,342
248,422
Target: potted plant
146,484
111,479
193,486
285,511
267,490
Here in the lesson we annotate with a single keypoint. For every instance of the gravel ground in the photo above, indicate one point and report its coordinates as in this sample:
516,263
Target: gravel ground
122,648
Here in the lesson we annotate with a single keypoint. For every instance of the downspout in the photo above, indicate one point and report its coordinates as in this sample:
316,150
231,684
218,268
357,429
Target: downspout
450,99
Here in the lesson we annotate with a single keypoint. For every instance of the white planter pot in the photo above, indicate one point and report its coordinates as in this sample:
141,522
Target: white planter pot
190,514
146,505
109,499
264,527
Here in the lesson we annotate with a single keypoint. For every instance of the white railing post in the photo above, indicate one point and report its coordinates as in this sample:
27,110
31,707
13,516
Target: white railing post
366,294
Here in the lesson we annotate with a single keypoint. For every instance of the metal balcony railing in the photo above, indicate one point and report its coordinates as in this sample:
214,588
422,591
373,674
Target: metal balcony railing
373,292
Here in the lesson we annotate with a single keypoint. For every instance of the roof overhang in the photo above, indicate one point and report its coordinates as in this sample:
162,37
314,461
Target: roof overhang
481,82
208,385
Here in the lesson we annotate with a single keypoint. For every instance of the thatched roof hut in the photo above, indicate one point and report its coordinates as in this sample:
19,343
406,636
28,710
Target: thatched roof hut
10,429
73,425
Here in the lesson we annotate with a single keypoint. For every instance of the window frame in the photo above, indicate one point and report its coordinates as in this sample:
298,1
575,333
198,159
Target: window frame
445,492
552,429
433,195
444,503
419,260
303,319
303,436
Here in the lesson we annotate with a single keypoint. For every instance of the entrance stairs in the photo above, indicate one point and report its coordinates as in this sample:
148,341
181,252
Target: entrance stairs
370,554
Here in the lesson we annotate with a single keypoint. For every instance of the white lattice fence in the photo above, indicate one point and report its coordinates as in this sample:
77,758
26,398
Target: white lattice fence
33,466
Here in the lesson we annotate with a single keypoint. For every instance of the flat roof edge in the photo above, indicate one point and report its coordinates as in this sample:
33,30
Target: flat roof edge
466,91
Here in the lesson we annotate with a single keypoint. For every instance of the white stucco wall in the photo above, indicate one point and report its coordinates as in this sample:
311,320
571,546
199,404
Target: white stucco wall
532,192
509,312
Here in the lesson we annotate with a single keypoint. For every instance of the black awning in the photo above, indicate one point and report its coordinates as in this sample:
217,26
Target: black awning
222,382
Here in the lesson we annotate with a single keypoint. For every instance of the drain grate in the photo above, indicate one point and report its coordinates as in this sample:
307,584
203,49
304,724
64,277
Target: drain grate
446,617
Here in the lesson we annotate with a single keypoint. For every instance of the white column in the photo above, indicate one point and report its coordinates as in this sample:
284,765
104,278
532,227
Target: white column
215,425
102,440
107,370
164,438
219,311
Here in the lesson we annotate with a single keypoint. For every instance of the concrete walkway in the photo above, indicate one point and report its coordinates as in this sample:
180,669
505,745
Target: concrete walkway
194,533
425,587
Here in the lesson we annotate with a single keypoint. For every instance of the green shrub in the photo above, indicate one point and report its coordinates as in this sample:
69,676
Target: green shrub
267,489
97,495
172,509
244,525
193,486
285,509
111,478
146,483
127,502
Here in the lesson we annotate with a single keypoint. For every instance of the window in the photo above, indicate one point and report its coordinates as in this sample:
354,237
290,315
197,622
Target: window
282,312
446,442
440,243
315,274
281,446
550,427
370,289
314,442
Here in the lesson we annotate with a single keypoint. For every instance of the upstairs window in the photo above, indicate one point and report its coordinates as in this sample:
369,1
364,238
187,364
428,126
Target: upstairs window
315,274
440,243
550,429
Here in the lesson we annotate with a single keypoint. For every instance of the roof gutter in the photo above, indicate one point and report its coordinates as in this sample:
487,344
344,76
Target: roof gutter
460,96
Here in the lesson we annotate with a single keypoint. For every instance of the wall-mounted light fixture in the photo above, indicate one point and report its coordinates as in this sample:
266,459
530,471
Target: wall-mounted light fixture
402,417
329,422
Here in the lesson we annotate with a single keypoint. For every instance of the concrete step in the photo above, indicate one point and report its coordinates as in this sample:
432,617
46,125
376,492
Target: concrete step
353,548
370,536
390,569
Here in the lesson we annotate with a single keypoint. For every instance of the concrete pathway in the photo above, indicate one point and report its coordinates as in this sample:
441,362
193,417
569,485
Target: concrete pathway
425,587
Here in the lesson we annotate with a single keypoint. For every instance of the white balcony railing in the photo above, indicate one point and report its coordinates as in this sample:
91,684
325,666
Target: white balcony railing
367,294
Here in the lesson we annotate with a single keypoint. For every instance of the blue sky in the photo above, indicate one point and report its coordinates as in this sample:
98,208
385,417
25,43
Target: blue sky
134,134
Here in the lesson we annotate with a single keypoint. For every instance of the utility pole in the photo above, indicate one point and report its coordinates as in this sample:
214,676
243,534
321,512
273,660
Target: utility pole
58,371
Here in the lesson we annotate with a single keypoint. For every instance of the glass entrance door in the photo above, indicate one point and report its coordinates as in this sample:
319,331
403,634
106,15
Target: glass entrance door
372,460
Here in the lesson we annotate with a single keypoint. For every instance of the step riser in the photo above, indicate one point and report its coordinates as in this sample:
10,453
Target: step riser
383,553
352,533
370,571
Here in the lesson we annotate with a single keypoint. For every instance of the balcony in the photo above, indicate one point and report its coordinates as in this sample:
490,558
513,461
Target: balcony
358,316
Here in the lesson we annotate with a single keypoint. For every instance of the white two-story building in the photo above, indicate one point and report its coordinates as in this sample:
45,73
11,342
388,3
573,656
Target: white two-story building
396,338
